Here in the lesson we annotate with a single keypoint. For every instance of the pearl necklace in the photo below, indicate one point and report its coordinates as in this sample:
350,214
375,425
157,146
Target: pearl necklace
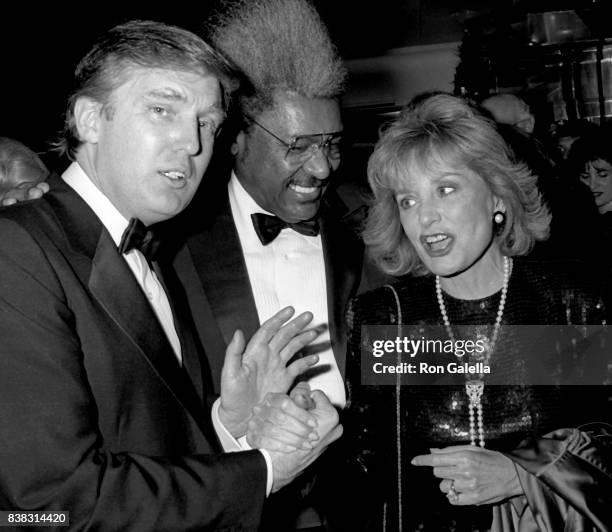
474,388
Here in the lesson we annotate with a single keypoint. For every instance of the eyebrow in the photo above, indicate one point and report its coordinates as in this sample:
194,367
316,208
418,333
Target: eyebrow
434,179
173,96
166,94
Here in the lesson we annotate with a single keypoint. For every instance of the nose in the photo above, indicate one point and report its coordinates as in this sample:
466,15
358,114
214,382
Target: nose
429,213
318,165
593,183
187,137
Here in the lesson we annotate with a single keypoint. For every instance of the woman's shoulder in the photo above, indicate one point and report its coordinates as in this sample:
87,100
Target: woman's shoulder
382,301
406,285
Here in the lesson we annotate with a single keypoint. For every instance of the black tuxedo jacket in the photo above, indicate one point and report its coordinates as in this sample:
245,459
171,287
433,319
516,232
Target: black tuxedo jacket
215,281
97,416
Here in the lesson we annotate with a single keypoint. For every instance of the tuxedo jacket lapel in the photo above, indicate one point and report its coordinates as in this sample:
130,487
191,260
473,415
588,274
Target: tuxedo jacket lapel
114,286
214,276
223,274
191,349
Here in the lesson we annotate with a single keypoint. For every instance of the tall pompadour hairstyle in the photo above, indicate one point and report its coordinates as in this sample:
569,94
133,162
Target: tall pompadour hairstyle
444,129
138,43
279,46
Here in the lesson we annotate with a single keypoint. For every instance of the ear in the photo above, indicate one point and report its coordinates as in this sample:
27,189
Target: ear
87,118
499,205
238,146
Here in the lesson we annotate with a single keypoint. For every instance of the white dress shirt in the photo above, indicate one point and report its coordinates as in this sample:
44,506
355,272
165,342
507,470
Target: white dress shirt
115,223
288,271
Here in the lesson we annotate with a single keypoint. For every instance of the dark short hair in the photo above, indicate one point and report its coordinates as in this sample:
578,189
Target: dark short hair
445,128
138,43
596,144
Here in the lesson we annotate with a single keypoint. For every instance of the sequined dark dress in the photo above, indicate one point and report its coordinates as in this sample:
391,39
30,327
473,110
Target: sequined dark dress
437,416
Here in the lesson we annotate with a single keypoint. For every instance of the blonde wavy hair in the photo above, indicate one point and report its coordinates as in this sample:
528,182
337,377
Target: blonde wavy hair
446,129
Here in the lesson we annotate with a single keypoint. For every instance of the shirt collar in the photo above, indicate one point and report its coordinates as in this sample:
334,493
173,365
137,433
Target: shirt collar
110,217
242,206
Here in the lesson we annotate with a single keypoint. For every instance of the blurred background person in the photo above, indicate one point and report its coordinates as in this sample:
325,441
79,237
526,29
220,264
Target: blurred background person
590,158
454,216
510,109
574,228
565,133
590,161
19,166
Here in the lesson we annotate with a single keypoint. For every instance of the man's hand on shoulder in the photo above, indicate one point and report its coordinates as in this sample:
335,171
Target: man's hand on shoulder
253,371
27,190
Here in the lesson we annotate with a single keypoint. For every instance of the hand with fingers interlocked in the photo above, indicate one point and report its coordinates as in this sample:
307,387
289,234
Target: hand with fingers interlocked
288,461
472,475
261,367
282,423
278,424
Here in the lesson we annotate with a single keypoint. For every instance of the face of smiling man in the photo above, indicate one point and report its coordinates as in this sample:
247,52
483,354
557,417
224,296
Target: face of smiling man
291,190
149,151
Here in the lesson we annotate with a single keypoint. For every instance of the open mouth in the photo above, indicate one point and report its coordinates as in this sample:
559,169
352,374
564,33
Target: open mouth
300,189
175,175
437,244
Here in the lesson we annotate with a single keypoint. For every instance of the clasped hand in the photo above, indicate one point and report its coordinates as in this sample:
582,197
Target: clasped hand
477,475
253,370
294,430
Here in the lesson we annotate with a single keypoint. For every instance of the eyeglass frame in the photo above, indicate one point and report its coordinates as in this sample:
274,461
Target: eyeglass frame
322,144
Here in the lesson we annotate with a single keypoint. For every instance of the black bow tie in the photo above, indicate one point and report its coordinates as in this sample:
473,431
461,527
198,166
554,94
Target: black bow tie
138,236
268,227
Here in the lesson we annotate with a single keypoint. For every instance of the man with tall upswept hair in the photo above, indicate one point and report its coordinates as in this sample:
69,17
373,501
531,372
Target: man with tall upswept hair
267,230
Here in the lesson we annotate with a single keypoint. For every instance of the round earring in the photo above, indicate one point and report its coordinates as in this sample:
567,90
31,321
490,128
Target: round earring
499,217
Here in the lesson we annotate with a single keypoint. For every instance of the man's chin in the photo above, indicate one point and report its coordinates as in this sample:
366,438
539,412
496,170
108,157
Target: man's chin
300,215
165,212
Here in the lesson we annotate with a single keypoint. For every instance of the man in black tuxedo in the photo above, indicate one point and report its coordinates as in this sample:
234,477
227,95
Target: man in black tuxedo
102,390
272,231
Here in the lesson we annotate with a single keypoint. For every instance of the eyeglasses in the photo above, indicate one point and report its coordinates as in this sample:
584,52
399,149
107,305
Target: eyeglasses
302,147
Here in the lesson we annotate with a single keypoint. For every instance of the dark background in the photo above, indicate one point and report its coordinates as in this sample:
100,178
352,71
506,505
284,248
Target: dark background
39,47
